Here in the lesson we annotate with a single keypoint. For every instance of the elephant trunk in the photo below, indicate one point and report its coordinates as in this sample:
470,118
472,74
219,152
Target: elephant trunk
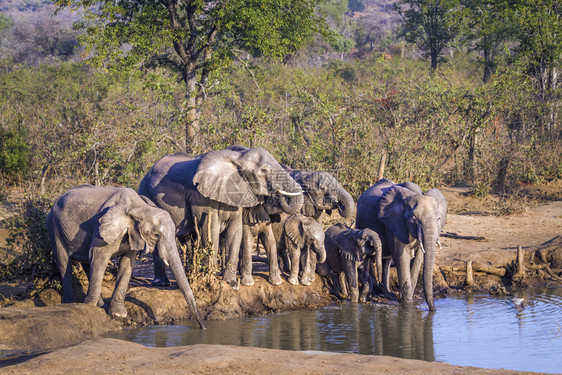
346,204
179,273
320,251
429,242
291,204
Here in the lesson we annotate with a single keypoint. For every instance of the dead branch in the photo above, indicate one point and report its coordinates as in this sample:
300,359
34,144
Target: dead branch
469,277
459,237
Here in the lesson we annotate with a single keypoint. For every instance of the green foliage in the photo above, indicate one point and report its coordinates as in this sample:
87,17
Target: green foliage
14,152
430,24
28,251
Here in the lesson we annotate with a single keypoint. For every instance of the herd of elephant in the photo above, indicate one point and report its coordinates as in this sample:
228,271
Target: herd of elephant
229,197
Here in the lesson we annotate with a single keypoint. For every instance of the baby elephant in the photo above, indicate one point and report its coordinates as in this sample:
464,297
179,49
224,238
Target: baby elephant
302,237
92,224
347,250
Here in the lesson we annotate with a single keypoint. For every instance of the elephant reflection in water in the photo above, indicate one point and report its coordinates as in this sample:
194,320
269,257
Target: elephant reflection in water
405,332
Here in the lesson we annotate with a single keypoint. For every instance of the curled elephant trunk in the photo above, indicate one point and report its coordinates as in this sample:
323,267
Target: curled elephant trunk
320,253
174,261
346,204
290,203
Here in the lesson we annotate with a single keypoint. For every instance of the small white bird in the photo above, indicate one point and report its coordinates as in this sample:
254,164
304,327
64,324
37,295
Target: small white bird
518,302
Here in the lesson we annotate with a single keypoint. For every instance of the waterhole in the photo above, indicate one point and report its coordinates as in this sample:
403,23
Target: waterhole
470,330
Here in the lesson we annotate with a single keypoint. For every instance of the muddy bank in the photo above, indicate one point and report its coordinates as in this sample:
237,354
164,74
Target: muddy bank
27,328
110,356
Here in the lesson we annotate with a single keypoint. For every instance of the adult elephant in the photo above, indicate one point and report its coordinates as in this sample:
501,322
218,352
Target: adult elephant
409,224
210,191
92,224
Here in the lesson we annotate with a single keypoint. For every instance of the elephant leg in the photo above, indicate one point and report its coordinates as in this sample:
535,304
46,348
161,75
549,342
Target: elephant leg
352,280
295,265
233,242
306,262
386,277
402,260
160,278
416,266
246,266
126,264
99,258
86,268
271,249
365,280
343,284
64,265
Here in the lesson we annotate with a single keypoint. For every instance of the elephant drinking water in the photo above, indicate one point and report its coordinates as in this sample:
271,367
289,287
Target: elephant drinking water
92,224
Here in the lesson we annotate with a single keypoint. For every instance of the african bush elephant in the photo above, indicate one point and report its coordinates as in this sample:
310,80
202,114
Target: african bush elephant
209,192
302,238
91,224
409,224
348,249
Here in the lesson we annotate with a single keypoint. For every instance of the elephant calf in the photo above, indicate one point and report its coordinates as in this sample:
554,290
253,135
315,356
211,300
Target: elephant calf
347,250
92,224
300,238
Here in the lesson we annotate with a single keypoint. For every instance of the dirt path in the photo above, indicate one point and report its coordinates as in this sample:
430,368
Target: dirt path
110,356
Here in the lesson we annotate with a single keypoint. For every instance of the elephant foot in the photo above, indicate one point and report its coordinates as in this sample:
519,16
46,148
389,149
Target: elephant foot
275,280
118,311
232,283
160,281
306,282
247,280
293,280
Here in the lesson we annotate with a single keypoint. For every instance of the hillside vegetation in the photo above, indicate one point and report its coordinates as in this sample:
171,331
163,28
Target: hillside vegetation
336,107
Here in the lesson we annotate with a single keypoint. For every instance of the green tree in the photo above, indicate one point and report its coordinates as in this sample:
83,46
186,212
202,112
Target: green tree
193,38
429,24
539,25
486,26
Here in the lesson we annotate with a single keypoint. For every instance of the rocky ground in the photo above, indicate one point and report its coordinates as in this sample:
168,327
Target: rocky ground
483,233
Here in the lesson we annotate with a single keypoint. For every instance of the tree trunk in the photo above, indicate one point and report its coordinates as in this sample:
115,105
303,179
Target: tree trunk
434,56
193,115
487,66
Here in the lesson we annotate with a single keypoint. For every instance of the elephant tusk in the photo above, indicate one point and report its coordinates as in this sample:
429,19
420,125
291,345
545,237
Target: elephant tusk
283,192
166,262
421,247
439,244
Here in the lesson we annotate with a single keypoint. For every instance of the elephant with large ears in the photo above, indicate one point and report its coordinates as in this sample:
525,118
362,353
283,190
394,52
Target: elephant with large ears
347,250
210,191
91,224
409,224
301,246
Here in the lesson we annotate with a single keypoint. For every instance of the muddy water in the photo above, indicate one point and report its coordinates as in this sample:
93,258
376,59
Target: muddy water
474,330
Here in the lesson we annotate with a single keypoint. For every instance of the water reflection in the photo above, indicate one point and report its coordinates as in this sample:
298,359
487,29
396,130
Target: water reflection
474,330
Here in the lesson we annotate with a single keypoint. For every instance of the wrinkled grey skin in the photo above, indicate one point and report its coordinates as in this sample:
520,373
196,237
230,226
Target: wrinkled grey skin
322,193
409,224
347,250
92,224
302,237
211,190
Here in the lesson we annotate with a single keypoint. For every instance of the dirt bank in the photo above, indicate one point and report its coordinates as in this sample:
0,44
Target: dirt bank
110,356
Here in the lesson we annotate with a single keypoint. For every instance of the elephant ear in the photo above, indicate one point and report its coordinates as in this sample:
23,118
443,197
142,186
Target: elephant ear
308,207
391,211
114,223
255,215
294,229
220,178
349,252
136,241
442,203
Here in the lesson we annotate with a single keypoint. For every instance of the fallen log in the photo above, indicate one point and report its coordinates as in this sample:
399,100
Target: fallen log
459,237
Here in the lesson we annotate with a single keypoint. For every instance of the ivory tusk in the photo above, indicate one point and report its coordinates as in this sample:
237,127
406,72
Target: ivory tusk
166,262
283,192
422,248
439,244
